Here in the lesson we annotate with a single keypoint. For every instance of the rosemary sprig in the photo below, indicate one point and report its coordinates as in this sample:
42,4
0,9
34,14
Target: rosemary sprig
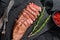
40,17
43,25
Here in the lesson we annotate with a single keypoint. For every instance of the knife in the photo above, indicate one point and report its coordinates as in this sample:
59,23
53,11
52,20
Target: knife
5,16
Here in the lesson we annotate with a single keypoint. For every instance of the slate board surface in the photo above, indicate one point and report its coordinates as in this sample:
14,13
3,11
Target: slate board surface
50,34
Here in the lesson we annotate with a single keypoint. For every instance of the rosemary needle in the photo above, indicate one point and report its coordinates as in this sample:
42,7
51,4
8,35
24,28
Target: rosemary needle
40,17
43,25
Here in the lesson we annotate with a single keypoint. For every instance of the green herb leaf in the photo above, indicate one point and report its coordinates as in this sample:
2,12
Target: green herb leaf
43,25
40,17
